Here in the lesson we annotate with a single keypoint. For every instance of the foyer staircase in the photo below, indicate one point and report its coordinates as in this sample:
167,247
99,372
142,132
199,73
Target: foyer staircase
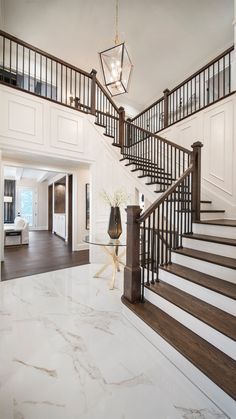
190,304
188,300
180,277
192,307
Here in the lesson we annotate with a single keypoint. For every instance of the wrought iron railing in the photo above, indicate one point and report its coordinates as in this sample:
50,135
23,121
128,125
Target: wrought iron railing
27,68
160,160
162,227
152,235
205,87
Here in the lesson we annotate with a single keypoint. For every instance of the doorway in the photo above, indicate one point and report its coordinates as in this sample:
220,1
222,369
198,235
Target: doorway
44,200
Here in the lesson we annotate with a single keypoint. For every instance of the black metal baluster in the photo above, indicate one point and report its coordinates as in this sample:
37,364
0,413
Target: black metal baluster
56,80
158,244
153,247
23,66
213,81
35,64
3,52
10,61
162,234
61,82
46,86
148,253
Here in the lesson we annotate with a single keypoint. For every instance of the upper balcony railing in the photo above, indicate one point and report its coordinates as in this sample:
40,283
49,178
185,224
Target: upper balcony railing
27,68
205,87
24,67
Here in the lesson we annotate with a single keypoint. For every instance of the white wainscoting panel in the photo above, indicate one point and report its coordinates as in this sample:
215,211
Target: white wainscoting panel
218,147
21,118
66,130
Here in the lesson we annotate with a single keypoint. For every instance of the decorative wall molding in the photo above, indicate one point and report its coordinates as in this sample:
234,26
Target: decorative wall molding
21,118
27,114
218,153
66,130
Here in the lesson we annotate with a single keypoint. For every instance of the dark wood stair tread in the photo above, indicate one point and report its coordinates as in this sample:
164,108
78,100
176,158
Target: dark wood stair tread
100,124
108,135
211,211
212,239
154,174
223,222
208,257
207,281
216,365
159,182
218,319
201,211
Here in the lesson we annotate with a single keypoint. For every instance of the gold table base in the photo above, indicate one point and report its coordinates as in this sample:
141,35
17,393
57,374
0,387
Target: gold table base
115,262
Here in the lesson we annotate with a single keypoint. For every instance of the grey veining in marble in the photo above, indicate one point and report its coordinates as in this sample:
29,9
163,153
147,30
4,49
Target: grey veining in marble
67,352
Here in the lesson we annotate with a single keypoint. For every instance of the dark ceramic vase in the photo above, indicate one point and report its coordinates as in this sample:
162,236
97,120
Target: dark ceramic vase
114,228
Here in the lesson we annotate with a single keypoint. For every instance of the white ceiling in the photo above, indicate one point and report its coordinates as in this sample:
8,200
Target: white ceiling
19,173
167,39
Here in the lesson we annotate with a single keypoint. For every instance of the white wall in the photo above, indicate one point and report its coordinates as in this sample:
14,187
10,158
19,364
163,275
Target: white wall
32,125
29,124
215,128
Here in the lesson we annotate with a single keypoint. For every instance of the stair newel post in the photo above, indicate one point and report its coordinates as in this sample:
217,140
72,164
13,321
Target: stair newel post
166,107
93,92
121,127
196,180
132,270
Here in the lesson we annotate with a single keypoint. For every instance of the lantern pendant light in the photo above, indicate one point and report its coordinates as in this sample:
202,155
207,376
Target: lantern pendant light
116,65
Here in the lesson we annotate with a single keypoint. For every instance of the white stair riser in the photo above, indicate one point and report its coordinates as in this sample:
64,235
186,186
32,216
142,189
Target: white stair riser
211,335
206,267
206,206
218,396
211,215
215,230
210,247
211,297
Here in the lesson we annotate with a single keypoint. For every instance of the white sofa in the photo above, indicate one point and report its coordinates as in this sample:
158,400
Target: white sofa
20,224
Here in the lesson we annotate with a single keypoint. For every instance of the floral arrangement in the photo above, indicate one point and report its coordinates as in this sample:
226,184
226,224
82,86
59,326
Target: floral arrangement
120,197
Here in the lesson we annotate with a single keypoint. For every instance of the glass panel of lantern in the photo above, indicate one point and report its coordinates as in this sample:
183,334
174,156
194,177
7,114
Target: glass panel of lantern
117,69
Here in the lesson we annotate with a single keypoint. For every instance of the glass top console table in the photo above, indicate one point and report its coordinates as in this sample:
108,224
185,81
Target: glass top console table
111,248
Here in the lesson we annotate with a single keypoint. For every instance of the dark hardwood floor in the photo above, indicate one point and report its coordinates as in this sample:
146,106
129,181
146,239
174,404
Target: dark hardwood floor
45,252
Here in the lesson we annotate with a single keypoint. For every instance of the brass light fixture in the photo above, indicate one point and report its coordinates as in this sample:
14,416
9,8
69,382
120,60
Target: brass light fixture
116,65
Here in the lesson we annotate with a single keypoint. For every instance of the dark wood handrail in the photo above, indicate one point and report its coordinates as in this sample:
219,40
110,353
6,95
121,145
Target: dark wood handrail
107,95
165,194
45,54
171,143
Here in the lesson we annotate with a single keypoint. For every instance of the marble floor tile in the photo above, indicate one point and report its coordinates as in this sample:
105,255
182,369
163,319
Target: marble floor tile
67,352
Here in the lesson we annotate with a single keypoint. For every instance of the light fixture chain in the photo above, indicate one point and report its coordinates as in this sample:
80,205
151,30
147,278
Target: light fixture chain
117,20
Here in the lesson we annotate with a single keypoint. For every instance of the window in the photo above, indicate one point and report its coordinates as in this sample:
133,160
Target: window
26,204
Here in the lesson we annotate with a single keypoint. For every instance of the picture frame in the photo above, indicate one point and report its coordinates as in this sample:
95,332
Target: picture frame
87,206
